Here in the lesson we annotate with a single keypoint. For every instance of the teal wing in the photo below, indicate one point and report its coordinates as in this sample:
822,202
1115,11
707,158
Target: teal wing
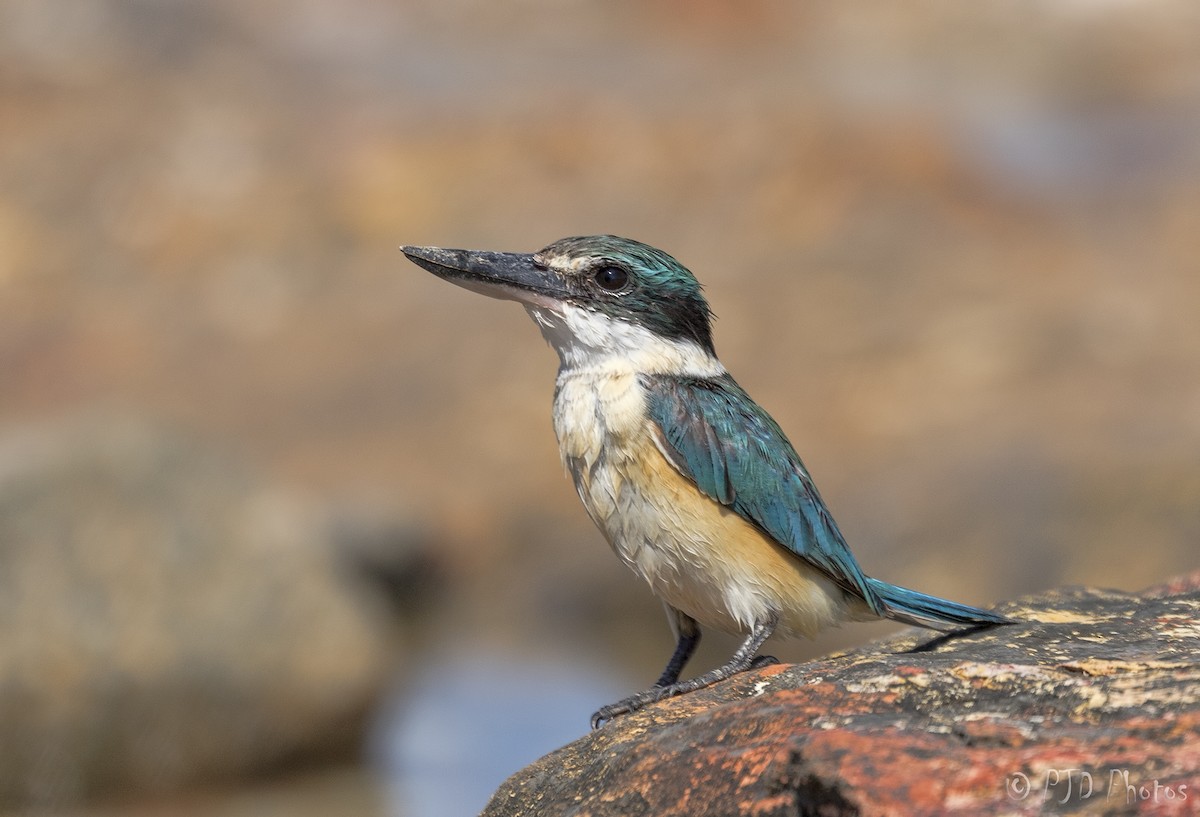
715,435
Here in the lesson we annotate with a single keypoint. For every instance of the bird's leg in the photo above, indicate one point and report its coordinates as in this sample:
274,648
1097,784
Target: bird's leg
687,637
742,660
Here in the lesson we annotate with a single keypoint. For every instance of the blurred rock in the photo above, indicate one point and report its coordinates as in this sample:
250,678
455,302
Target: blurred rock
398,560
167,618
1094,701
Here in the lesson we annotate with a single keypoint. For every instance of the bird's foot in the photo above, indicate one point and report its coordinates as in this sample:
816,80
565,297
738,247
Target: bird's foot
631,704
742,660
659,692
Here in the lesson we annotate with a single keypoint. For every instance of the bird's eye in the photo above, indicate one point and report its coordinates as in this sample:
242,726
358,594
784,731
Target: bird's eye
611,278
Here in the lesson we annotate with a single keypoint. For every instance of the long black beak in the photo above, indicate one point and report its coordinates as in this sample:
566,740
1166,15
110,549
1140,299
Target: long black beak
506,275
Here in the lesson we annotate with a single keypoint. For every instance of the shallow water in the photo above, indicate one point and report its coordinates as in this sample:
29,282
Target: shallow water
444,743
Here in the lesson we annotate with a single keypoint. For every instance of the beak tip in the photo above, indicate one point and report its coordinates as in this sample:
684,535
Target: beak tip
424,256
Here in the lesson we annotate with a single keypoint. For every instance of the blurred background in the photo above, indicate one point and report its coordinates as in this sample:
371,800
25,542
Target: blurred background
283,528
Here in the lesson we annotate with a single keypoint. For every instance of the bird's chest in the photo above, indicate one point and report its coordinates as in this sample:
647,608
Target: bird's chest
655,520
606,443
603,436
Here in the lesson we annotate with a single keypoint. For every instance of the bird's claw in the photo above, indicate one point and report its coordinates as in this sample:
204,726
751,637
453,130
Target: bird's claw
761,661
603,715
633,703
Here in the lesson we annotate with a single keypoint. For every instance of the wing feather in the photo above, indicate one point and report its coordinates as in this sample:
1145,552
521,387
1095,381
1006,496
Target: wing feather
716,436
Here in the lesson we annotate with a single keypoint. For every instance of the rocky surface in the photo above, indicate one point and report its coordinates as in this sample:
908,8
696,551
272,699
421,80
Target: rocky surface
167,617
1090,706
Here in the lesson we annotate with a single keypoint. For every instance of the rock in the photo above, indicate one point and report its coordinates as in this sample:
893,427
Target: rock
1091,705
166,617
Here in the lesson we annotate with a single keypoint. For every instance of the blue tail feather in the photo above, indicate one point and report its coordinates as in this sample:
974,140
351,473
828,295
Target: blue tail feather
912,607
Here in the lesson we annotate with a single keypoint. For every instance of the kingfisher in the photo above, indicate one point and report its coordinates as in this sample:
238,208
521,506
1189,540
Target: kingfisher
695,487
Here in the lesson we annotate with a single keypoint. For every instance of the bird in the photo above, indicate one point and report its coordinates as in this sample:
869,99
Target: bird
695,487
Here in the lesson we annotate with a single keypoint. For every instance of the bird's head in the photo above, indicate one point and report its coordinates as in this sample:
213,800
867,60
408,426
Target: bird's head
600,292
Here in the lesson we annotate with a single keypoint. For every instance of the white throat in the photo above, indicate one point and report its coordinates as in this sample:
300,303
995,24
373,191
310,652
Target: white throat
586,339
